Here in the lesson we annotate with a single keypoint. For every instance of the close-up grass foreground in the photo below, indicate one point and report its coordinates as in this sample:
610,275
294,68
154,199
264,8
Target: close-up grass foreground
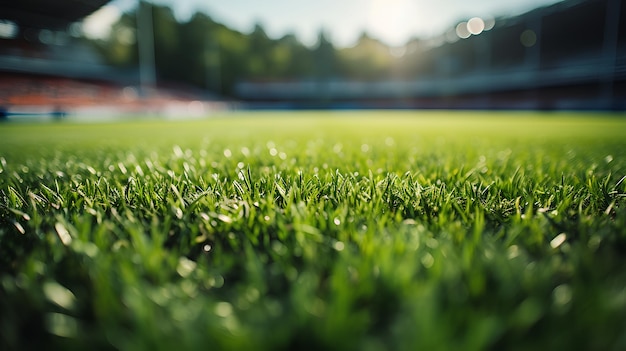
322,231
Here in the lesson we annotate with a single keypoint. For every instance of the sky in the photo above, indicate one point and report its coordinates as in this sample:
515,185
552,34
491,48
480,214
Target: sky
392,21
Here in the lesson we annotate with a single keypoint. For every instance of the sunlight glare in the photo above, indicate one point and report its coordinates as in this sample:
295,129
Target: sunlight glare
8,29
390,19
462,31
476,25
98,24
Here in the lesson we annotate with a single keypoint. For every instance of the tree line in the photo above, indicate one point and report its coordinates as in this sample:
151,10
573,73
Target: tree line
204,53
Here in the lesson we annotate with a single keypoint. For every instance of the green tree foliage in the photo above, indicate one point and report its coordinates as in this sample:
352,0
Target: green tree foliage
120,48
289,58
193,55
325,57
259,49
209,55
368,59
167,50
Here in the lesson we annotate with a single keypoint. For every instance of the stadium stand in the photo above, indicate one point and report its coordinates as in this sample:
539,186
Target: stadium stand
44,14
570,55
45,69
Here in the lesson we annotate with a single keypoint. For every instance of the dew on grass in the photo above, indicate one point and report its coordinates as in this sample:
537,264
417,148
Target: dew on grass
489,255
139,171
227,153
513,252
19,227
178,152
159,296
337,221
149,164
223,309
63,233
178,212
59,295
428,260
216,281
558,240
273,152
189,288
122,168
252,294
504,154
89,249
185,266
562,294
17,177
279,248
224,218
432,243
339,246
61,325
365,148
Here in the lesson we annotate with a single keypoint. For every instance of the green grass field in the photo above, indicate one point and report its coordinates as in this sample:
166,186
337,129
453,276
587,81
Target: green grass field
315,231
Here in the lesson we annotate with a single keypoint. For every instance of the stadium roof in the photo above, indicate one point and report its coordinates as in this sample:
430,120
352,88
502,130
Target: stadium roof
47,13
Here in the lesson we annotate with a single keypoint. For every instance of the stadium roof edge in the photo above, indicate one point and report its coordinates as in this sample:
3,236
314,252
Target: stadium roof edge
47,14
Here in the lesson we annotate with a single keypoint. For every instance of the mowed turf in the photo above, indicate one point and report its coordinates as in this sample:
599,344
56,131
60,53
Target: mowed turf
315,231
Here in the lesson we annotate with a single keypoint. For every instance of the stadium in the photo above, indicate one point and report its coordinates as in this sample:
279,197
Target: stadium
570,55
47,68
183,183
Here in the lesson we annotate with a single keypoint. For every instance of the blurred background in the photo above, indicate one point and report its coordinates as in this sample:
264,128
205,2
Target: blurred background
188,57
